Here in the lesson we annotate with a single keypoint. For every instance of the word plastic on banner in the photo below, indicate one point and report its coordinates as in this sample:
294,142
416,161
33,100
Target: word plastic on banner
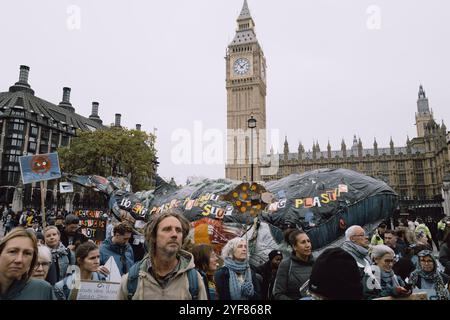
40,167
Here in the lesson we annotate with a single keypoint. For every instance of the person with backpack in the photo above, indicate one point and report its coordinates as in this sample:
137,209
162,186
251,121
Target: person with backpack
167,272
87,256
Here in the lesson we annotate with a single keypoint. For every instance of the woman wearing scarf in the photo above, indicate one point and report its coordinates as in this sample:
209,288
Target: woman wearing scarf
426,276
235,280
383,282
62,257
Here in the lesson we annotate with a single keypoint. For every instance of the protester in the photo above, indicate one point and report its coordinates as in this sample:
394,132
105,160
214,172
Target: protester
357,243
236,280
43,263
18,258
382,281
396,244
88,262
206,262
169,271
426,276
71,235
335,276
444,253
62,257
268,272
119,248
408,234
294,271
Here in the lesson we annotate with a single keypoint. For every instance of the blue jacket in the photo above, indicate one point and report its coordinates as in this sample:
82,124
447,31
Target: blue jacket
121,255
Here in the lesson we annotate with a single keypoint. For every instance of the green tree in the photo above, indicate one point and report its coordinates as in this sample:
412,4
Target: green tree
112,152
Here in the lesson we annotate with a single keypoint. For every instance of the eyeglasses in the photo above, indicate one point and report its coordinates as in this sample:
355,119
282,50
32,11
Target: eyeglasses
426,261
43,264
359,235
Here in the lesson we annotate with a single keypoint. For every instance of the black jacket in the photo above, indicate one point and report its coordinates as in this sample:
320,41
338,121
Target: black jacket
78,238
444,258
268,279
222,279
291,275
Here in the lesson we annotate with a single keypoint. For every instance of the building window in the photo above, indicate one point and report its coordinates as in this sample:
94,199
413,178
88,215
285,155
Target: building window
421,194
385,166
402,179
18,113
401,166
64,141
418,164
34,130
368,166
420,178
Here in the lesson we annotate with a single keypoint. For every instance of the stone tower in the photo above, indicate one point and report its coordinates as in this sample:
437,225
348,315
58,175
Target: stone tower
423,115
246,97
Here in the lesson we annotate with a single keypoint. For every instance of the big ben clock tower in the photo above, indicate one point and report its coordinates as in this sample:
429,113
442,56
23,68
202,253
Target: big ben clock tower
246,97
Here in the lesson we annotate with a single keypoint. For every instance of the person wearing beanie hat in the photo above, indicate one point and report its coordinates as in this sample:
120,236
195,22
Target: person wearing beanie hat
294,271
268,272
335,276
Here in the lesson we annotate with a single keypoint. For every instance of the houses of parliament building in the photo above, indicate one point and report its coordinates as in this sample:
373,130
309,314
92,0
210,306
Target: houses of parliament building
416,171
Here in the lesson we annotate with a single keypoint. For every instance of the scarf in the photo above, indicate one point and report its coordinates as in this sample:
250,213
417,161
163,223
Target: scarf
389,279
239,291
433,277
359,253
60,251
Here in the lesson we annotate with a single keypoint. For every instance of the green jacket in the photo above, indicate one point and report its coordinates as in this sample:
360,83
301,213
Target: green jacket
32,289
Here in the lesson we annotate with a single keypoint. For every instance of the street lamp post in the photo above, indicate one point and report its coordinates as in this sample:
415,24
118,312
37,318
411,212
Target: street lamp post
251,125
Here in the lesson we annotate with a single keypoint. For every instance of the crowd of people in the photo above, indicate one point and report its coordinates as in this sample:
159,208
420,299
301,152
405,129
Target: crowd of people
38,263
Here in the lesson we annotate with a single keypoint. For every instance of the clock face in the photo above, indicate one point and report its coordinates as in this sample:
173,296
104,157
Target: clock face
241,66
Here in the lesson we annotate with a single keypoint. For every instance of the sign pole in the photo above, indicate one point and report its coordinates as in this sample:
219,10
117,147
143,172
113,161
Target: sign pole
43,193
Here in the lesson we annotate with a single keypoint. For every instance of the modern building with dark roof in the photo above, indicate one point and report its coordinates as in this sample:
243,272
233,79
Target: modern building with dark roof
31,125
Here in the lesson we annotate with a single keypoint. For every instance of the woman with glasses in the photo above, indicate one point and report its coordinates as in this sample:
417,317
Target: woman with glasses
427,277
43,264
206,263
18,258
294,272
382,281
87,256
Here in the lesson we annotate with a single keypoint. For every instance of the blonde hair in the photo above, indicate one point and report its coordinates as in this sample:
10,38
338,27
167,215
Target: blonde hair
21,232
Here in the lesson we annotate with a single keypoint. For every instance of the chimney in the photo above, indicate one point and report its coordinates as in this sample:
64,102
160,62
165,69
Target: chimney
66,95
117,122
24,72
94,114
94,109
65,103
22,84
138,127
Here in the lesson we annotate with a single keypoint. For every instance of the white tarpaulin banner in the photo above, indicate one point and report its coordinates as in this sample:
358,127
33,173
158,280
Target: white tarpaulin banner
65,187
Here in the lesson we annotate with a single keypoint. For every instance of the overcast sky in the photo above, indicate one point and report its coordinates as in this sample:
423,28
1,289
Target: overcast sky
335,68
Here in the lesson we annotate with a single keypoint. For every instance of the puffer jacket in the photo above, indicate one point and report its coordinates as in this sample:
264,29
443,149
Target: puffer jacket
177,287
123,255
291,276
